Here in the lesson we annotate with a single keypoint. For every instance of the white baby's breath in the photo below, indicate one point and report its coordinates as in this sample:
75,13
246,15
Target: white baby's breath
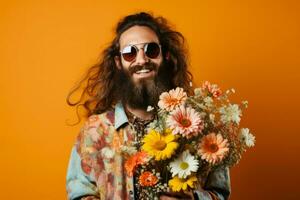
230,113
208,101
202,115
198,91
212,117
202,106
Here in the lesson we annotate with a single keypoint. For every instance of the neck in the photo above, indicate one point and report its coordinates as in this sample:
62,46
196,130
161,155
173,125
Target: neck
140,113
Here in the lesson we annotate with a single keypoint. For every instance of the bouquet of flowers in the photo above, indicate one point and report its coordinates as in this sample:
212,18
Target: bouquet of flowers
191,136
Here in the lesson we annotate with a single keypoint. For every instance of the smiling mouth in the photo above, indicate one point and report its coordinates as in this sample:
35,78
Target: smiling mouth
143,71
144,74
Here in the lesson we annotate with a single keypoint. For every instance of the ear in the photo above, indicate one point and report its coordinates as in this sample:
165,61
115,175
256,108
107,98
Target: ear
118,62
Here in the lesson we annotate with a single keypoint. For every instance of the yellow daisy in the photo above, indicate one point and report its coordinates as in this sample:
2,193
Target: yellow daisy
177,184
160,146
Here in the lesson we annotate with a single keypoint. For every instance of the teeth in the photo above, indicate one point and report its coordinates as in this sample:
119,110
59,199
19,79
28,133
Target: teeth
143,71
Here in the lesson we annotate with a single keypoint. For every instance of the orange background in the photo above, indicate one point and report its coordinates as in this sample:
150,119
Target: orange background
46,46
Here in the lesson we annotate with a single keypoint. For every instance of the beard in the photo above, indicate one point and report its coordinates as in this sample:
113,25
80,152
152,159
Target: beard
144,92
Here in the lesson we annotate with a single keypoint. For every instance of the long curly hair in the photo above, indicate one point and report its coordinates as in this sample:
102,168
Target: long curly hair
98,87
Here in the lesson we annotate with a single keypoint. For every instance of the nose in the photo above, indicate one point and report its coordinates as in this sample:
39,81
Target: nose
141,58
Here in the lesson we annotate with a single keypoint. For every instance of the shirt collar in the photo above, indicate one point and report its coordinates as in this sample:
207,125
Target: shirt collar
120,115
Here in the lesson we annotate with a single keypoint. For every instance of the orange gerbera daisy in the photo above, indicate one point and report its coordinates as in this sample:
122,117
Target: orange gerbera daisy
147,179
137,159
185,121
213,148
169,100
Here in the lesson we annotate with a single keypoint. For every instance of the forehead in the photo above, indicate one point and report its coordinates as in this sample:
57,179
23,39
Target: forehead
136,35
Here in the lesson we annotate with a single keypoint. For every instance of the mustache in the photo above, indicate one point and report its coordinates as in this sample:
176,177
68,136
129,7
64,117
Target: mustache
150,66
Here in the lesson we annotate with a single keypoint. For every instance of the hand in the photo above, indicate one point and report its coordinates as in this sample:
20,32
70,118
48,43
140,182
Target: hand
177,195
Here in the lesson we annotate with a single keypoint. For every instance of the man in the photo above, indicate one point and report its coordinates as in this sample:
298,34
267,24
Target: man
145,59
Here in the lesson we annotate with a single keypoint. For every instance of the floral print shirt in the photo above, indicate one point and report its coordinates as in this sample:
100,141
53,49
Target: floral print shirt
96,167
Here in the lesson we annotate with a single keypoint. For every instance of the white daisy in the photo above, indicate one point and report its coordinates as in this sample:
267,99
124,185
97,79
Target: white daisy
247,137
184,165
230,113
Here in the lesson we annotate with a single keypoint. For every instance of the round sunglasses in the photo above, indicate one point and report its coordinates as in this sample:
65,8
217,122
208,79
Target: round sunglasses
151,50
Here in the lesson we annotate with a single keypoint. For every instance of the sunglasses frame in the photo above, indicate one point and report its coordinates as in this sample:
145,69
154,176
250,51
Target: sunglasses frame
137,49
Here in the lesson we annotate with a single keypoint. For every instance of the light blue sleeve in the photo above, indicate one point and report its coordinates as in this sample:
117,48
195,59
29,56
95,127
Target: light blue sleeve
78,183
218,182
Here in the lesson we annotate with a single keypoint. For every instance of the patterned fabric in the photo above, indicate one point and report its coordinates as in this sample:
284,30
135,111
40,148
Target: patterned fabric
96,166
139,126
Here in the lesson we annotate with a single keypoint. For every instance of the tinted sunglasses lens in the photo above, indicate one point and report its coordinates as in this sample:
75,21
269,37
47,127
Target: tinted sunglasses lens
152,50
129,53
